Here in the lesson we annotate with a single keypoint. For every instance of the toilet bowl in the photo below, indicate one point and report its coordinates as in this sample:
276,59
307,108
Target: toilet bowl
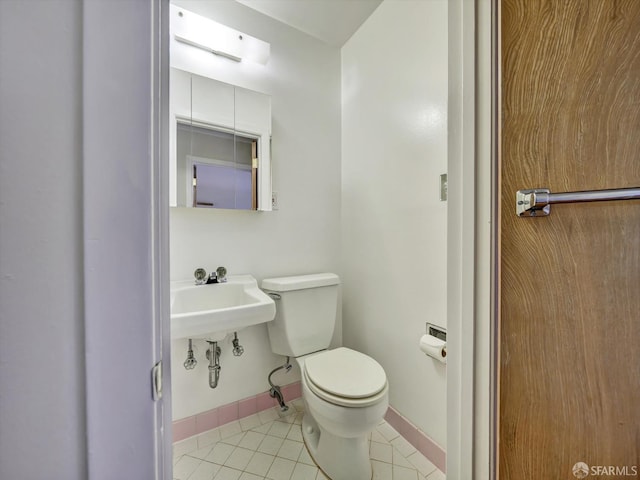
345,392
342,406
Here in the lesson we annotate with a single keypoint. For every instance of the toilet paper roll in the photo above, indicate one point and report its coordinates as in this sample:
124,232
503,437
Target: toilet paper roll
434,347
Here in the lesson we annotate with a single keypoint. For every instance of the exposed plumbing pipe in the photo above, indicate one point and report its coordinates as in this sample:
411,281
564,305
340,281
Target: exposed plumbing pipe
275,391
213,354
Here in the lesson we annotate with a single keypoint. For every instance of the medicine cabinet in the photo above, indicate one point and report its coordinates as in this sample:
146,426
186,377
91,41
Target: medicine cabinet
220,144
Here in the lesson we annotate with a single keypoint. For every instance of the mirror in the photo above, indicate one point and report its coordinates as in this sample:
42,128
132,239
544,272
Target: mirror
220,144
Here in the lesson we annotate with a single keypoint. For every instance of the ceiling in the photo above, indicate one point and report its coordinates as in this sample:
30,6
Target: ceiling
332,21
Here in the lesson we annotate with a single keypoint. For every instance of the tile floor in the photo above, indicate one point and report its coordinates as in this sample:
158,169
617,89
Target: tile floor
268,445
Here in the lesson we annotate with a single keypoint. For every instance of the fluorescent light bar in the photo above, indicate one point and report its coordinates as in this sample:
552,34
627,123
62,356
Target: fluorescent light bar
201,32
208,49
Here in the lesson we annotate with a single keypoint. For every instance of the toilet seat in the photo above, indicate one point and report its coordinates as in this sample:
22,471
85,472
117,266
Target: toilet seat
345,377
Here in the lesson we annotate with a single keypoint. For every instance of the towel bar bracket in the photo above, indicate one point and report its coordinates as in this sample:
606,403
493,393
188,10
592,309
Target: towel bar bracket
527,203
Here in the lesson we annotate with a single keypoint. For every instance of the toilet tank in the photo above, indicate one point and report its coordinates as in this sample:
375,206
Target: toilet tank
305,312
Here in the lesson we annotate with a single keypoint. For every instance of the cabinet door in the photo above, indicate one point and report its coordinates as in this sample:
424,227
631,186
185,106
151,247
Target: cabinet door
253,112
212,102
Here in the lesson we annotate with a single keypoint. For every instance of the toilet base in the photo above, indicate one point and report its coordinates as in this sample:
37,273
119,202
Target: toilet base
338,457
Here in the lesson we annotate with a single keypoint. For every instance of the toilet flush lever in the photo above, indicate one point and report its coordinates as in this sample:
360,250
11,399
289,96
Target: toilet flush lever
275,296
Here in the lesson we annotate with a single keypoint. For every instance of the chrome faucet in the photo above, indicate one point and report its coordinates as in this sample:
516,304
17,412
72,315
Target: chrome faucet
219,276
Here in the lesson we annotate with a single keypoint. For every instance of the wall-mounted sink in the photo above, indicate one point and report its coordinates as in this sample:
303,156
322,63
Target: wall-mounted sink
215,310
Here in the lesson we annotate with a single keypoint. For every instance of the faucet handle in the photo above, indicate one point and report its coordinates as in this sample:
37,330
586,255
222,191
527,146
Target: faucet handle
221,274
201,276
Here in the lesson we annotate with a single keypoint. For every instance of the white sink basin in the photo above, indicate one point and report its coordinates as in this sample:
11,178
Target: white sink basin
215,310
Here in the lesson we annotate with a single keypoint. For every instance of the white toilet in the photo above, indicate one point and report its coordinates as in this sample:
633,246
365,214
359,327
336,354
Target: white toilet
346,393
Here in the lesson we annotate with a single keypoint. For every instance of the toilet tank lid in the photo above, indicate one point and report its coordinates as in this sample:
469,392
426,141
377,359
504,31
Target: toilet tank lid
300,282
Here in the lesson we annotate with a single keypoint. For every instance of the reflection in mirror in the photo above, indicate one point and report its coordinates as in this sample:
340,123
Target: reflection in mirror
216,169
220,144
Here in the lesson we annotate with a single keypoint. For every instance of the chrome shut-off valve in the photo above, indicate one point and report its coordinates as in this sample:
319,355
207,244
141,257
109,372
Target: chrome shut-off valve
191,362
237,348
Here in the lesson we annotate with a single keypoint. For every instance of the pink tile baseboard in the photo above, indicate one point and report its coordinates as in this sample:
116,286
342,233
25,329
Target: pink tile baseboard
227,413
264,401
190,426
247,407
293,390
207,420
184,428
416,437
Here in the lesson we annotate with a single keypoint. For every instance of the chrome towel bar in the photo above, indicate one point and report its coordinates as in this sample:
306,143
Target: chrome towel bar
537,202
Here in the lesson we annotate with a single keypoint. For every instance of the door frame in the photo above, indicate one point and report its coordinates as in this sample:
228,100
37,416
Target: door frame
468,258
471,240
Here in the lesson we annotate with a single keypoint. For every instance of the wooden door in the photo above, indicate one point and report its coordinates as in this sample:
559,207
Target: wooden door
569,283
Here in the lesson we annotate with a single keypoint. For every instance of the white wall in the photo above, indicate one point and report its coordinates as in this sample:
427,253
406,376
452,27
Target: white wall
394,148
303,78
42,385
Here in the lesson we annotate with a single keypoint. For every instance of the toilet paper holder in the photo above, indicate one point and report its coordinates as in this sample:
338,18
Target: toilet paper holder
436,331
434,343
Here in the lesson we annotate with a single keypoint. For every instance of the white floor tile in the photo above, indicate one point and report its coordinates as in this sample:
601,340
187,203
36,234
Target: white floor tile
382,452
250,476
250,422
185,467
226,473
185,446
381,470
264,428
304,472
424,466
281,469
239,458
208,438
376,436
220,453
387,431
437,475
403,446
268,415
205,471
401,460
305,457
402,473
251,440
233,439
290,450
279,429
295,433
270,445
230,429
260,463
202,453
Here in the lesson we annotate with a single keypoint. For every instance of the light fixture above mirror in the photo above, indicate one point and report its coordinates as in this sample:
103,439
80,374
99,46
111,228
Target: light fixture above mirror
203,33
